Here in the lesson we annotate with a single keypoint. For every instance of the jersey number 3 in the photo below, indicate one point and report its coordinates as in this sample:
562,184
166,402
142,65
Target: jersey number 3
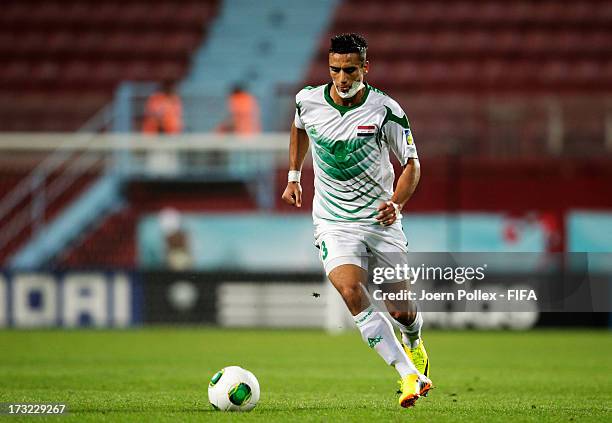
324,250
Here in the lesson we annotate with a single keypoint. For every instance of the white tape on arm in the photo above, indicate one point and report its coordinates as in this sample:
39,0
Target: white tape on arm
294,176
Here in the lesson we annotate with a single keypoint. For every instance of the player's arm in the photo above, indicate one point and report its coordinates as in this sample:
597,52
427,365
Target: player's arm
406,185
407,182
397,134
298,148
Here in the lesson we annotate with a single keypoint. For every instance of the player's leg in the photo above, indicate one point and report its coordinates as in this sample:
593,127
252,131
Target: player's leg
345,260
410,324
409,320
388,247
405,314
375,328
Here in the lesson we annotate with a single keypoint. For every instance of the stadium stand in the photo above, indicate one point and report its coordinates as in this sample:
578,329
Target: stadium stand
54,206
62,60
474,45
448,61
466,71
246,43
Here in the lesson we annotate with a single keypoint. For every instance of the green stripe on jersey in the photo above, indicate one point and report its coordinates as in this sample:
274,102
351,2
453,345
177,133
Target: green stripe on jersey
343,160
353,211
390,117
358,195
349,218
341,173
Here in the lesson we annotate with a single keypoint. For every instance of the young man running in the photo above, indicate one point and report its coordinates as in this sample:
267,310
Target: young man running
352,127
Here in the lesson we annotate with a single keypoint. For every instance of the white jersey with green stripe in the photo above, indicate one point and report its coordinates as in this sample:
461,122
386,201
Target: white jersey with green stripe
350,149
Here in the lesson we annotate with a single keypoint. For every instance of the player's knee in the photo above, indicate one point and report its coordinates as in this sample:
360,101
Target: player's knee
350,292
352,296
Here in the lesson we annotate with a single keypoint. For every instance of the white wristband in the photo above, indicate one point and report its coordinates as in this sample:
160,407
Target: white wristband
294,176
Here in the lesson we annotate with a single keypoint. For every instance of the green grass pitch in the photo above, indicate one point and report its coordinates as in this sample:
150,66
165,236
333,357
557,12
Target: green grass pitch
161,374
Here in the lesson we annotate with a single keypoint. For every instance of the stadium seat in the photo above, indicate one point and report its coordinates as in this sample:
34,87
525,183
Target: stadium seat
60,46
535,50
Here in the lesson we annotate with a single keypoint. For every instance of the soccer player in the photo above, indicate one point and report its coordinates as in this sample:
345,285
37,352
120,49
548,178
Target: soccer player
352,127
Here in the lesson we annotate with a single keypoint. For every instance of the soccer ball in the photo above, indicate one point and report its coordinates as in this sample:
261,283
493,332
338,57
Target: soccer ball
233,389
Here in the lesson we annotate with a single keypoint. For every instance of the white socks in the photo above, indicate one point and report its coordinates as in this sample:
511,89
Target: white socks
377,332
411,334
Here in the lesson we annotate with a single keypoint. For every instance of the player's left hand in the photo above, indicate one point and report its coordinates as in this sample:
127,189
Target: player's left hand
387,213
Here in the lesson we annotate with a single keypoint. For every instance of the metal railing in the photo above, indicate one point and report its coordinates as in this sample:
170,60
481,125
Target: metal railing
198,157
26,205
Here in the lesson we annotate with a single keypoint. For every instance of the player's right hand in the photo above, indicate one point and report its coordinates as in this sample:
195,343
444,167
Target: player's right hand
293,194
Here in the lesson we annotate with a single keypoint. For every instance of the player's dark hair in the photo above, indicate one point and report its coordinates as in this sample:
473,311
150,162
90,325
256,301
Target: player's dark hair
349,43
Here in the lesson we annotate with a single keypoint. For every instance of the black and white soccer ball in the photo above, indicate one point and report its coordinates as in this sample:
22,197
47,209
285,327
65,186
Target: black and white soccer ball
233,389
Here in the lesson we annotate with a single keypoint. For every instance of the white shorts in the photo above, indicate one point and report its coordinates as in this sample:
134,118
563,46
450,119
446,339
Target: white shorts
366,246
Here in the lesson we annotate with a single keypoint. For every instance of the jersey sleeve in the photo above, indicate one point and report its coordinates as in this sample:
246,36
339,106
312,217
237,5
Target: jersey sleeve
297,120
397,134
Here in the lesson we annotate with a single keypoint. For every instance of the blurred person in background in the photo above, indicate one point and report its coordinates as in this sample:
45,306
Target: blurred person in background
163,112
178,251
244,116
